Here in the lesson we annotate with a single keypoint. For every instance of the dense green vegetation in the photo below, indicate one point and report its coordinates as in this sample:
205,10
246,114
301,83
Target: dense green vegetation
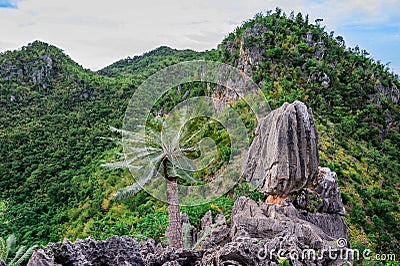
54,116
355,102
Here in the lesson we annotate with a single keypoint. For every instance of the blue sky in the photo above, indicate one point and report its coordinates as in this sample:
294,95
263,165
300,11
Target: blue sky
95,33
8,4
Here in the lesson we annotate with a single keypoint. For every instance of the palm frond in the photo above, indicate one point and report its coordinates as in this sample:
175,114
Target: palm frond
119,165
11,240
147,146
182,162
129,191
25,256
142,149
18,254
141,155
133,163
117,130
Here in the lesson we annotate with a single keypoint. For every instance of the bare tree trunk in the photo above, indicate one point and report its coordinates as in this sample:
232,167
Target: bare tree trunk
174,214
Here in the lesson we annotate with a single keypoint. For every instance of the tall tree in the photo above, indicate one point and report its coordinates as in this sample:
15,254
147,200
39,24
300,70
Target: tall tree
160,158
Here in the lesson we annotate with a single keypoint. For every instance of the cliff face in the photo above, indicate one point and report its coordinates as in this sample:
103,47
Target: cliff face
283,157
303,212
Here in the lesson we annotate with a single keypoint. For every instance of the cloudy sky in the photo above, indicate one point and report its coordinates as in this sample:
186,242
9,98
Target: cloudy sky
97,33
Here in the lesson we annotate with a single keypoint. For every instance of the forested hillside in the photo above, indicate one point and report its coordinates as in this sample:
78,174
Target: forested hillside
55,119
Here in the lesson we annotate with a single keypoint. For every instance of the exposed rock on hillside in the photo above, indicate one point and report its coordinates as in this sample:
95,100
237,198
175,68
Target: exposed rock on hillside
20,68
213,234
283,157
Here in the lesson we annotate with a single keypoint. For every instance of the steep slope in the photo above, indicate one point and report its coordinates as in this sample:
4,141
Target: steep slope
36,65
52,113
54,121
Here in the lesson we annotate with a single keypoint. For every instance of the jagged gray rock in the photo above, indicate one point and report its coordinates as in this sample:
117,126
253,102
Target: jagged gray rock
40,258
39,73
156,255
212,234
113,251
259,231
251,56
283,157
189,232
324,194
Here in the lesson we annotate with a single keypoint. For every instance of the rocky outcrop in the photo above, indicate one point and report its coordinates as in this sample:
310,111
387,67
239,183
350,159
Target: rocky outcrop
113,251
38,73
251,53
283,157
262,233
301,220
40,258
155,255
189,232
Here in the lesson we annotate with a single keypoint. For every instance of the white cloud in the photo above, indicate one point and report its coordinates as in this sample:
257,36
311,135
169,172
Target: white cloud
97,33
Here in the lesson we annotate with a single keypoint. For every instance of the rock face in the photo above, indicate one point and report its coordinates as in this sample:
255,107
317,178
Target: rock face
39,73
40,258
115,251
283,157
155,255
189,232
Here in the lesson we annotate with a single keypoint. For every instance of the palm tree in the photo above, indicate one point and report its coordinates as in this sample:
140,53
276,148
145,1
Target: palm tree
21,255
161,150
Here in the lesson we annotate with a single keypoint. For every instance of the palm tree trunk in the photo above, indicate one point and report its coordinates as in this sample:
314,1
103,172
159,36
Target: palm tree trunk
174,214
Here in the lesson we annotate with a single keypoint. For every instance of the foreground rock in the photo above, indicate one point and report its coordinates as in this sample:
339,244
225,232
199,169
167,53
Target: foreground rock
262,233
259,234
114,251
